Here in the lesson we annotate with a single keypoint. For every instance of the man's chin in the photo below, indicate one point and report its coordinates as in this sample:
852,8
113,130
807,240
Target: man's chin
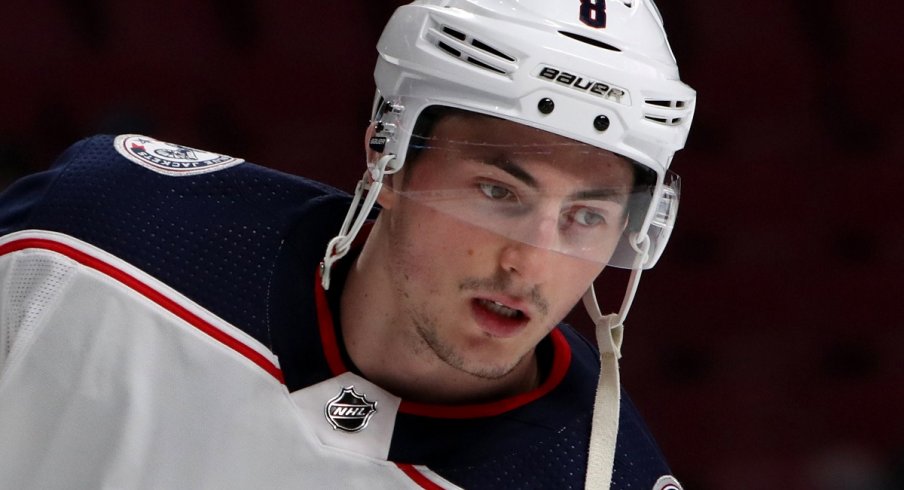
469,360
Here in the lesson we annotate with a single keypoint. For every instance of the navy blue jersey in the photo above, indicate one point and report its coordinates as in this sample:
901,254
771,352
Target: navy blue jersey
245,242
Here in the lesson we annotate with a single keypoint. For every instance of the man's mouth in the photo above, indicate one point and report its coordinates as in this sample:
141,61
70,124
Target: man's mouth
498,319
501,310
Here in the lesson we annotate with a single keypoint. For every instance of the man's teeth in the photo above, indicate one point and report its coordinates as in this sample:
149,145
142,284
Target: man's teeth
500,309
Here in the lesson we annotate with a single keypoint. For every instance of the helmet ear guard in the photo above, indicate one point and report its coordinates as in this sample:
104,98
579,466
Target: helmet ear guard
384,122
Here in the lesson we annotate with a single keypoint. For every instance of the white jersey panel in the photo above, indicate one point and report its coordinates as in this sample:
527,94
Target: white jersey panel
31,282
112,385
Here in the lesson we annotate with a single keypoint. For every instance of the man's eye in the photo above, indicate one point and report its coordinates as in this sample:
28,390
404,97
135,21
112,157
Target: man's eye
588,217
496,192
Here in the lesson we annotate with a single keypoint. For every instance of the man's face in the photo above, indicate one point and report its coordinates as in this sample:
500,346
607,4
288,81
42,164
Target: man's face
497,230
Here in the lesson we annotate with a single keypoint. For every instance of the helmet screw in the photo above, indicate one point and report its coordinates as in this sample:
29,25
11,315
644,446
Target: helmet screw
546,105
601,123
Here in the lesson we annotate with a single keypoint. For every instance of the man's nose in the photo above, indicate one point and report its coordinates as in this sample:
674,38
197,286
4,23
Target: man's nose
530,252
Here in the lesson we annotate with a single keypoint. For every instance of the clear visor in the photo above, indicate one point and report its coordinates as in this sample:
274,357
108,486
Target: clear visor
535,188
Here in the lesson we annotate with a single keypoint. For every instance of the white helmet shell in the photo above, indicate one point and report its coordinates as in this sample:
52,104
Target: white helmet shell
502,57
599,72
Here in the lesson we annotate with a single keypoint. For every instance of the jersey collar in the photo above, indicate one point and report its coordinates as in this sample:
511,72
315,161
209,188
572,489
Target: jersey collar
334,353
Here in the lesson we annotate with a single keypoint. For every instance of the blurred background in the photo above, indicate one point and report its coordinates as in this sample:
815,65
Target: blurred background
762,349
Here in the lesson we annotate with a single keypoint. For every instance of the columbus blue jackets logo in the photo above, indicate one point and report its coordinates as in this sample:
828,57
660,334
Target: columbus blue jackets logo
170,159
350,411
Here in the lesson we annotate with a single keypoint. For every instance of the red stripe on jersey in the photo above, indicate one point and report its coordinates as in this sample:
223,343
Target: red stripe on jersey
560,364
148,292
561,361
327,332
418,477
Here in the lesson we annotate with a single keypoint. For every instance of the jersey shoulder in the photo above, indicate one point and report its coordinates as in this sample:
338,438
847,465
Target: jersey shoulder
101,175
211,226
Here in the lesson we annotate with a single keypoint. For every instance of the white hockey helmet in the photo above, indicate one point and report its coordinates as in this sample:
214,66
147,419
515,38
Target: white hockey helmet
598,72
594,71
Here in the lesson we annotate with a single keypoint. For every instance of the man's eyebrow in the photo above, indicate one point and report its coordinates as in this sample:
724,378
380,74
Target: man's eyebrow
606,194
512,169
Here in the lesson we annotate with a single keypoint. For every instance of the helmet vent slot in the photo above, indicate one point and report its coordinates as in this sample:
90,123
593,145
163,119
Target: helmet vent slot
668,121
477,43
475,61
667,116
489,49
449,49
456,34
471,50
590,41
671,104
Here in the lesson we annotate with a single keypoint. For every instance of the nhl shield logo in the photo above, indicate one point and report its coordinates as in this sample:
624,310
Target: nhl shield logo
349,411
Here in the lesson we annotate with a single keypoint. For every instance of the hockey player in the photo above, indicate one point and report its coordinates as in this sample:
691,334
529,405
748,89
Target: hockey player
176,318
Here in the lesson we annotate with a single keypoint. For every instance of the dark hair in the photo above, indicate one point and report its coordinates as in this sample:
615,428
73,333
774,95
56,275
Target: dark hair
423,129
